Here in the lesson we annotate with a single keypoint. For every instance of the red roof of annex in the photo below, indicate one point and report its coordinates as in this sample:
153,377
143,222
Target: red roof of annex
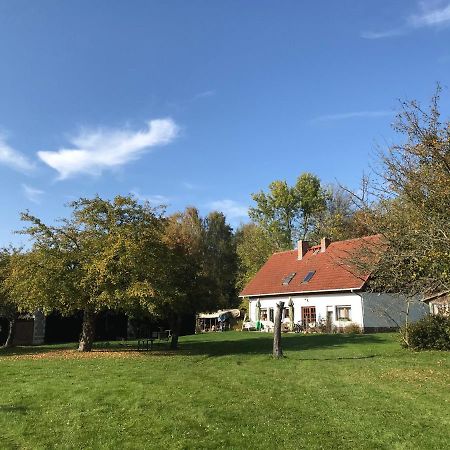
332,271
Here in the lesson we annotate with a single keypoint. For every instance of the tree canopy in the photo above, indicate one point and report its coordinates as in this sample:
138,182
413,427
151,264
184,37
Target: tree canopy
8,307
286,212
253,247
410,205
104,256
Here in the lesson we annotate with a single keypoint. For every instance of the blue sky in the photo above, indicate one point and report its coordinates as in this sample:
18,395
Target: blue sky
202,102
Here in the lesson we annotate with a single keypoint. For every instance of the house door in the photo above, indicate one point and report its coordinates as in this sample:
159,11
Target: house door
308,315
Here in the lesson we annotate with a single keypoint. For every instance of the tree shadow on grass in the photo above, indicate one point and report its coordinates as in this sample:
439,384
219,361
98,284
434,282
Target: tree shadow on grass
262,344
29,350
221,344
19,409
98,347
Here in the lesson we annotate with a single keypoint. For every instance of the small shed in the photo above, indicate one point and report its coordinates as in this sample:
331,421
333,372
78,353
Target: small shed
29,329
439,303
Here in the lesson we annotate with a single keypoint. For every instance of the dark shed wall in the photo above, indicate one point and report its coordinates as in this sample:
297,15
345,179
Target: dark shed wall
382,311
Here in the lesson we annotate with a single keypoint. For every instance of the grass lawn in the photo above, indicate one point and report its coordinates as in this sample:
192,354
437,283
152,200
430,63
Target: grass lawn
223,390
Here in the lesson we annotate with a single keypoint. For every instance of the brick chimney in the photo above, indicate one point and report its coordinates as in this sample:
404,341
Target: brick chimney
302,248
324,243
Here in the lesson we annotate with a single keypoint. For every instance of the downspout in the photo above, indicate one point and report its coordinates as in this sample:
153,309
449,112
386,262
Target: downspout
352,290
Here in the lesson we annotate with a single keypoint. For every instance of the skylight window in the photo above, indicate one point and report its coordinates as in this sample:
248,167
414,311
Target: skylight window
308,276
287,279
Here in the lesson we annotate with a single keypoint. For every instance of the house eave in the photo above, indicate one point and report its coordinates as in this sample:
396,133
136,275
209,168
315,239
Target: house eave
273,294
435,296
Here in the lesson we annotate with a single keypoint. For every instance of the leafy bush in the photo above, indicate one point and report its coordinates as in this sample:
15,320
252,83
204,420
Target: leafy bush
430,333
352,328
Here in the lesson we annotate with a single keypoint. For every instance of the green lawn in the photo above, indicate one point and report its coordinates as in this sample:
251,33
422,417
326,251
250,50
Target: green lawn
223,390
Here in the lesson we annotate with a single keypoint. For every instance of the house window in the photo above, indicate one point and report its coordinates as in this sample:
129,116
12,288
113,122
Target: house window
343,312
308,314
264,314
271,315
286,313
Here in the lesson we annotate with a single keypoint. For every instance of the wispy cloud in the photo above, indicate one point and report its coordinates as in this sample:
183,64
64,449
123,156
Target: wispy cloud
95,151
32,194
231,209
444,59
183,104
190,186
352,115
12,158
383,34
204,94
154,200
430,15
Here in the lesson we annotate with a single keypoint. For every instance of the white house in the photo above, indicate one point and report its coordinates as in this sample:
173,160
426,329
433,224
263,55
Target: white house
324,288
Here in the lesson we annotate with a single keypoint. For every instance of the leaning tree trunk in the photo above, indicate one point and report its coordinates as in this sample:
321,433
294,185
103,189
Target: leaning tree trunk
87,331
176,327
277,350
11,331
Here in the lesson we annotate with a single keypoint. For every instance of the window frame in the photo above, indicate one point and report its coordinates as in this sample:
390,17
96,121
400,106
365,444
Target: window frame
309,312
308,277
288,278
338,310
262,312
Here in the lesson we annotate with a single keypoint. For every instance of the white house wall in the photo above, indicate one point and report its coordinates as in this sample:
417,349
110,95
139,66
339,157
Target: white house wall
321,302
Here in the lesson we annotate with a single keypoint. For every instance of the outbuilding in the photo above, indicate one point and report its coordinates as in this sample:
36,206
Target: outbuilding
439,303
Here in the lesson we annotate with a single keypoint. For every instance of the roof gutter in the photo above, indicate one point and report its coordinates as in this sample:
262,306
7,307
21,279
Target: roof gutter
303,292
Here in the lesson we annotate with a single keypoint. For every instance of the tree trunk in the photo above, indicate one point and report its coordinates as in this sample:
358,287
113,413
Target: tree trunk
87,331
11,331
277,350
406,336
176,327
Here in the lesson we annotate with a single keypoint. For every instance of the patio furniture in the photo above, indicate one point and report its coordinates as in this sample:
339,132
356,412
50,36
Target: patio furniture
145,344
164,335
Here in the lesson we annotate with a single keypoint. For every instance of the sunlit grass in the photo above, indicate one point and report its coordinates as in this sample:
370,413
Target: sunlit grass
223,390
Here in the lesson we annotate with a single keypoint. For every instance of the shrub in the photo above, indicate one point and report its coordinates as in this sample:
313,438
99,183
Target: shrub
430,333
352,328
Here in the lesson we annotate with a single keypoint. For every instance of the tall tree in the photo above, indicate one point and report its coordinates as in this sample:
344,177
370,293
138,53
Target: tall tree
312,201
106,255
253,247
339,220
203,266
8,308
286,212
221,258
187,287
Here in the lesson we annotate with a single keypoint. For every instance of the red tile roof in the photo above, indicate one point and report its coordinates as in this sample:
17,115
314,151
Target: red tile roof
332,271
